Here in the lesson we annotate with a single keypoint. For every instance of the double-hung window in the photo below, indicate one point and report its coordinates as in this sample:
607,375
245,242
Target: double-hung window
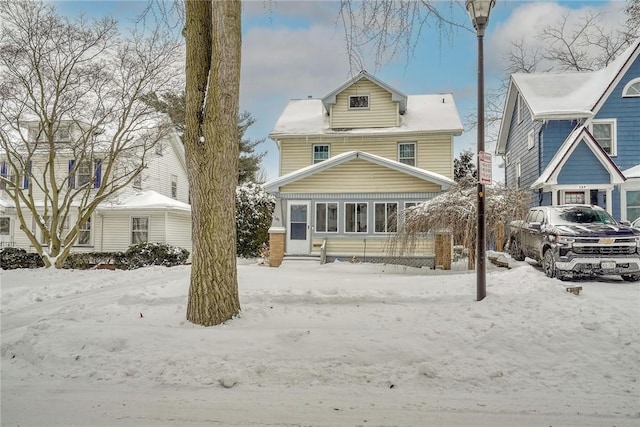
84,233
139,229
137,181
320,153
355,217
407,153
326,217
604,131
9,178
386,217
84,173
174,186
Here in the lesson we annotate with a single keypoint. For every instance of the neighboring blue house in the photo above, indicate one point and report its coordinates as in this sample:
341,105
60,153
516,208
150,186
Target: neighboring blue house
575,137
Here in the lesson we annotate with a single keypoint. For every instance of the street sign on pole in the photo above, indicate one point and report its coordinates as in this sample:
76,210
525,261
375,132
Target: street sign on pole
485,168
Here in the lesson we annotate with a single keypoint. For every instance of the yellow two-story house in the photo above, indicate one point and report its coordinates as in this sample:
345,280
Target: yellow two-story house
351,162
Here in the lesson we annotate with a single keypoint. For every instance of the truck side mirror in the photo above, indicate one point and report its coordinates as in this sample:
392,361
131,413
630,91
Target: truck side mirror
536,225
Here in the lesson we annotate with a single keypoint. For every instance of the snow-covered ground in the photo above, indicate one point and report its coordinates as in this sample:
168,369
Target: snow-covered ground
335,345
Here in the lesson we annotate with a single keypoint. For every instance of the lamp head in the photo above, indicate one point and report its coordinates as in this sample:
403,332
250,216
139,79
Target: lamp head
479,11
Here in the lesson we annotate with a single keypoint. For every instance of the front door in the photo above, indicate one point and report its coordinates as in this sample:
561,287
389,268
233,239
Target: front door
298,239
5,231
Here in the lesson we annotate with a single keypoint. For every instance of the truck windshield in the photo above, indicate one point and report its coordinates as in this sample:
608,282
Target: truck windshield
580,215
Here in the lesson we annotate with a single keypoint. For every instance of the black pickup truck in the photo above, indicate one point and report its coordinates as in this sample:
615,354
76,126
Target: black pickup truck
576,241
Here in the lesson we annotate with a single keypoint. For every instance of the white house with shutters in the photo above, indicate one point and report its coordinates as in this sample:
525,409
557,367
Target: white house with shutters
154,207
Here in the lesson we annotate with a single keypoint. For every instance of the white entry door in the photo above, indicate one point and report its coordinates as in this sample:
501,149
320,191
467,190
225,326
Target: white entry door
298,231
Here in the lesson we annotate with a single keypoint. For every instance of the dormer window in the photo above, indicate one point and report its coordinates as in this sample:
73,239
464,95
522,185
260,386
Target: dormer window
358,102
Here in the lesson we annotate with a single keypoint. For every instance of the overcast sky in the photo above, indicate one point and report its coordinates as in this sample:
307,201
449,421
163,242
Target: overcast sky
295,49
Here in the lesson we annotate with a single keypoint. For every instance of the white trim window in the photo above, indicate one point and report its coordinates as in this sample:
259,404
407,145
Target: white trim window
407,153
84,233
139,229
385,217
137,181
604,131
321,153
10,177
326,217
358,102
518,174
355,218
632,89
530,140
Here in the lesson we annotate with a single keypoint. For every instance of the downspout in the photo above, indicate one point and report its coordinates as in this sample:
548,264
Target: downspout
540,190
101,232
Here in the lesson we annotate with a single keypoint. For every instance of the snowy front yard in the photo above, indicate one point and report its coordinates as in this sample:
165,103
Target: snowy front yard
335,345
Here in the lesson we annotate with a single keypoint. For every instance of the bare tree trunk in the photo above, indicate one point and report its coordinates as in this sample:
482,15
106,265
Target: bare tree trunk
213,39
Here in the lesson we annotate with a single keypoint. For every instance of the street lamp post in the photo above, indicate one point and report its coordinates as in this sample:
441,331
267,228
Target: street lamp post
479,11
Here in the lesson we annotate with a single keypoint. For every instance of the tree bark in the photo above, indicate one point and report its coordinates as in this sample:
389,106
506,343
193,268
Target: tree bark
213,41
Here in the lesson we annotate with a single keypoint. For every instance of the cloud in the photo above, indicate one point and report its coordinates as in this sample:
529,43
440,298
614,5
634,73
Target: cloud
288,61
319,11
529,20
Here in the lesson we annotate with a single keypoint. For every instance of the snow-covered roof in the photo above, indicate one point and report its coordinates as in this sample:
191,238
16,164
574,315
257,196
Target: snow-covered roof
425,113
633,172
274,185
549,175
148,199
568,95
396,95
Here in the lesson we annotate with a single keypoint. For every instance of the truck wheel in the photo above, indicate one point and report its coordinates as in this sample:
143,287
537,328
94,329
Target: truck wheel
549,264
631,277
515,251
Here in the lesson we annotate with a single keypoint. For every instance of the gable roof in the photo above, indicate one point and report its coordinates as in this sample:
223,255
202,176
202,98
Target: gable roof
550,174
569,95
425,113
274,185
396,95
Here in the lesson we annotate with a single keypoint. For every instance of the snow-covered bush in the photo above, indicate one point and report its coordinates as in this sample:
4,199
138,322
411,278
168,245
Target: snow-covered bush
12,258
454,211
144,254
254,208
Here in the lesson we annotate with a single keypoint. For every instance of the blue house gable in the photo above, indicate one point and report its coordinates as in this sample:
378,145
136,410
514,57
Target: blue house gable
575,137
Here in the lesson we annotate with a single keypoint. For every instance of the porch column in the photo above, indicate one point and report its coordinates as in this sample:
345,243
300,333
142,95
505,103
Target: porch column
276,245
609,201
